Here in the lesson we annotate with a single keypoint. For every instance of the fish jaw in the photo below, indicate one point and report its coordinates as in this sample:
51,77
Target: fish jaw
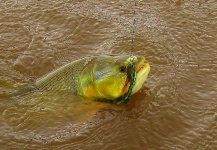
142,71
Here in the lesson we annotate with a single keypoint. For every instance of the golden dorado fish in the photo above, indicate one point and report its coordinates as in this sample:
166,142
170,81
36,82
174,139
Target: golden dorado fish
103,78
72,93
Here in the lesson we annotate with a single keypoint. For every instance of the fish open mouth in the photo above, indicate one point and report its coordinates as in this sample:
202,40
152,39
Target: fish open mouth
141,64
139,68
142,71
137,73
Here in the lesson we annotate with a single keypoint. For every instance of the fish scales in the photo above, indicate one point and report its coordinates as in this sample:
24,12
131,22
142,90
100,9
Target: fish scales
64,78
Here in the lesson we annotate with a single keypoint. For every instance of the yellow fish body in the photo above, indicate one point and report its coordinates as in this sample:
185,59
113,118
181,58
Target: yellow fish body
104,78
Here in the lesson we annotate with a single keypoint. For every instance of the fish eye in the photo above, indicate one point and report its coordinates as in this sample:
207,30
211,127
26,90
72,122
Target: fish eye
123,69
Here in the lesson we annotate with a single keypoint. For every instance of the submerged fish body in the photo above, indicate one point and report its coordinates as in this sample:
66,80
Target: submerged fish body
103,78
72,93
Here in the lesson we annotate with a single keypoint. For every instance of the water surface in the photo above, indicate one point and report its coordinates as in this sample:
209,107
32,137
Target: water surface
177,107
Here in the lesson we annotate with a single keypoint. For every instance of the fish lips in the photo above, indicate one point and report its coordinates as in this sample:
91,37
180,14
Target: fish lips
142,71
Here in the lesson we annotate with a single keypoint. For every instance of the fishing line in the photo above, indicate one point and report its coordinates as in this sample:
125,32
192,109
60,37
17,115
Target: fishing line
133,27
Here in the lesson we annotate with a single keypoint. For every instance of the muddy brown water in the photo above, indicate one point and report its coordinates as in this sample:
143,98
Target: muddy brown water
176,108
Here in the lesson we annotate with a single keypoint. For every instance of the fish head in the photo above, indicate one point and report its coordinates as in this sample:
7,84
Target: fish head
111,77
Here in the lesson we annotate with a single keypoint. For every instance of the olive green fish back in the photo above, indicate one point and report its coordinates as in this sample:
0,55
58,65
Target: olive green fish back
64,78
